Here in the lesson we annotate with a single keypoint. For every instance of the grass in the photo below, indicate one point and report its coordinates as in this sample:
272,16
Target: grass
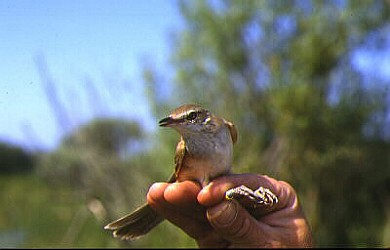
34,214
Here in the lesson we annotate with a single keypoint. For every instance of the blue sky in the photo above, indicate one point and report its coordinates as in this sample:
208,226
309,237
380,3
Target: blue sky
103,41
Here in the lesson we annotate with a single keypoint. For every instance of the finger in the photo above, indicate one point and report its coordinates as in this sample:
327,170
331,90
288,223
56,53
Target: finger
235,224
182,194
155,195
178,197
187,219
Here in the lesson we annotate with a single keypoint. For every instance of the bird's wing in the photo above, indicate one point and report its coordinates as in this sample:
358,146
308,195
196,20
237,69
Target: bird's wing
232,129
179,156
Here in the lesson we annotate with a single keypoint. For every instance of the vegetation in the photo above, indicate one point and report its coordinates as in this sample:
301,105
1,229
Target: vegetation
14,159
284,73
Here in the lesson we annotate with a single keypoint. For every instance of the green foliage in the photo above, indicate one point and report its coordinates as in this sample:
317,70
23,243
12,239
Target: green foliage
93,152
107,136
36,215
94,161
14,159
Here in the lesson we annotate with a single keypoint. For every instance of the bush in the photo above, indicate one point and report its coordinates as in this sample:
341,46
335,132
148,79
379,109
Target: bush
14,159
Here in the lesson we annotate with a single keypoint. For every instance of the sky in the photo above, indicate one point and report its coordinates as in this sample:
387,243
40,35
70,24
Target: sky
101,41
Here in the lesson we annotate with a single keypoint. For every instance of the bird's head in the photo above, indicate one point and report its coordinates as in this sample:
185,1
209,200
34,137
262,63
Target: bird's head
190,119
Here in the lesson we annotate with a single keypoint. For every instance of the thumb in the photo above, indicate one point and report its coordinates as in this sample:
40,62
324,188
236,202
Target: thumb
231,221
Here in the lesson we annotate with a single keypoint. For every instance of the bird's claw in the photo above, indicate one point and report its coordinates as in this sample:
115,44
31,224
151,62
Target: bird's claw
249,198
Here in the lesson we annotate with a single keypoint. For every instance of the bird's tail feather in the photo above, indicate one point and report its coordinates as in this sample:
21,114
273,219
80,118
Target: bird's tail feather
136,224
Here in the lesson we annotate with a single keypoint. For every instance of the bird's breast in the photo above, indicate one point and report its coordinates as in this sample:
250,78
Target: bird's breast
207,158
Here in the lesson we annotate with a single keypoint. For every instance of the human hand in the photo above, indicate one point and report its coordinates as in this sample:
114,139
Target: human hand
206,216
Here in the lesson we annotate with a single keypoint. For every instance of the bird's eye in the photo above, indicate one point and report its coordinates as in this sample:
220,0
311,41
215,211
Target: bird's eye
192,115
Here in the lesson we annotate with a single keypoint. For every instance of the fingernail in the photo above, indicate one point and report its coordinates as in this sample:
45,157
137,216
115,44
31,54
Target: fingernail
204,195
171,187
205,189
155,186
222,214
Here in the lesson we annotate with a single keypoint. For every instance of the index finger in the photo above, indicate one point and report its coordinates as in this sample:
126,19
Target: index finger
164,198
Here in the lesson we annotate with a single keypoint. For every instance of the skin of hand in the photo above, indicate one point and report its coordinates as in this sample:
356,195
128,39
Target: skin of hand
212,221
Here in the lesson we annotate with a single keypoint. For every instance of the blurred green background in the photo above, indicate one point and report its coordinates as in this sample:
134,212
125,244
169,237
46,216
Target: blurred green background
285,72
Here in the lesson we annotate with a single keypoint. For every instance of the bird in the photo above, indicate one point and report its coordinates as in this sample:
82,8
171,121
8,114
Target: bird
204,152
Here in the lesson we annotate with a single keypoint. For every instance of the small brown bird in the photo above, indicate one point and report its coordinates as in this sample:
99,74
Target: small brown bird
204,152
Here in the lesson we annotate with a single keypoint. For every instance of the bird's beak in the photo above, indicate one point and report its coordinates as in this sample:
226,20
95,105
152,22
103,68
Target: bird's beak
168,122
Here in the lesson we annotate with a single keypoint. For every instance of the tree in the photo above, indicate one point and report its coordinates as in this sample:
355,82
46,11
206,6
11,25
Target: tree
99,161
15,159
